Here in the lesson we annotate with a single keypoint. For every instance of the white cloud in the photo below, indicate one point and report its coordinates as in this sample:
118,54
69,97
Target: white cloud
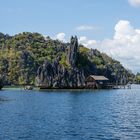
124,46
61,36
135,3
87,43
86,28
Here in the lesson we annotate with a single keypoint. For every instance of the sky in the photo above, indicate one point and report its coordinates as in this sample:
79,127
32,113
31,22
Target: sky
111,26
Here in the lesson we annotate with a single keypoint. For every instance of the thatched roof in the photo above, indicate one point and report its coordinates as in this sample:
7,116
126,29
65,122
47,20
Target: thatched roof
98,78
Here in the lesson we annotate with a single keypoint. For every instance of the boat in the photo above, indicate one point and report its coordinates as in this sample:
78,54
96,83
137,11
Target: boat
28,88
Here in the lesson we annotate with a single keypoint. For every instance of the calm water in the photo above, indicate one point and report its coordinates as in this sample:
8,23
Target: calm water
70,115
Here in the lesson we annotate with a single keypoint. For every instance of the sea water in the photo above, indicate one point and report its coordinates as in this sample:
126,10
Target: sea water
70,114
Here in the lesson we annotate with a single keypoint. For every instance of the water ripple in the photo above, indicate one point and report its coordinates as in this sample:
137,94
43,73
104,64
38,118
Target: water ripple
70,115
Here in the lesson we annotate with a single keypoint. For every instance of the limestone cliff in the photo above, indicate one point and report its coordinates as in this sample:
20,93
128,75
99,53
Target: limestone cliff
55,75
29,58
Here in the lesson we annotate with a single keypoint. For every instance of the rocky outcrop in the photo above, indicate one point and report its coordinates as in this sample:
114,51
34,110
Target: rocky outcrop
49,76
72,51
55,75
81,65
54,63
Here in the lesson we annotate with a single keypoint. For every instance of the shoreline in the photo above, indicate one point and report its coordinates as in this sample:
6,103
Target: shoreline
134,86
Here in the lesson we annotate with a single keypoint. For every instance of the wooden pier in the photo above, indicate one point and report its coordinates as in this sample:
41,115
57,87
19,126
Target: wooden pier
128,86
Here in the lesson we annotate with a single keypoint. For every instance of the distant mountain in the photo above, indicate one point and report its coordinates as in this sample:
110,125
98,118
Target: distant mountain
29,58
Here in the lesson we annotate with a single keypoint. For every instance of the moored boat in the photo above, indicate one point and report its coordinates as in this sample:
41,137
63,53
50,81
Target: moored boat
28,88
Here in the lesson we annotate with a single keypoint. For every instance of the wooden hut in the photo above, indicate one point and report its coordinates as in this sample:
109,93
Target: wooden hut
96,82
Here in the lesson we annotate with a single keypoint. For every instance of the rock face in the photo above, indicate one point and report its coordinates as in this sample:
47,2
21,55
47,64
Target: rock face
55,75
72,51
29,58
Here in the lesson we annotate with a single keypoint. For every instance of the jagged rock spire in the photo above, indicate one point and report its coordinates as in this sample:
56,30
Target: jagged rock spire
72,51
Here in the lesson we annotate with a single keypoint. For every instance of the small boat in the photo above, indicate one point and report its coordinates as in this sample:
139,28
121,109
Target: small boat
28,88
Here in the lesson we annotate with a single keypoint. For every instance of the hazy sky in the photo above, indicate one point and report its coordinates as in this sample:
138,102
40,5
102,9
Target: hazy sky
112,26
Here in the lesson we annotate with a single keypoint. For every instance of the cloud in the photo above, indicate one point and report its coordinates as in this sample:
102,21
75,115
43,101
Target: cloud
87,43
61,37
135,3
86,28
124,45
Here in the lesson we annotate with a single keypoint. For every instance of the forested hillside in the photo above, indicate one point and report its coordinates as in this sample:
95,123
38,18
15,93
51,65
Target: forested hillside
29,58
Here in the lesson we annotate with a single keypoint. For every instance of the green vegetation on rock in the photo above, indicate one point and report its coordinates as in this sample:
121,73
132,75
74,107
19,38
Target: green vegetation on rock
21,55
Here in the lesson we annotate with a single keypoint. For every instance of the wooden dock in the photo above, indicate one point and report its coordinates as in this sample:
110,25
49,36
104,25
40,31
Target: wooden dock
128,86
